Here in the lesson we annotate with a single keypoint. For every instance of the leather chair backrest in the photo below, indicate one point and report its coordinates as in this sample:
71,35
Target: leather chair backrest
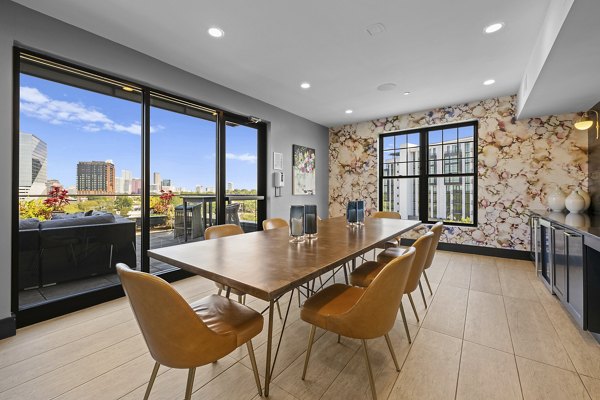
217,231
174,334
374,314
437,230
421,245
387,214
274,223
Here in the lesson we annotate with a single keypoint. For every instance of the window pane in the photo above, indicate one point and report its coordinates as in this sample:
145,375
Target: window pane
388,142
182,162
435,137
79,151
401,169
242,175
450,135
466,133
413,147
388,169
450,150
413,168
451,200
388,156
402,195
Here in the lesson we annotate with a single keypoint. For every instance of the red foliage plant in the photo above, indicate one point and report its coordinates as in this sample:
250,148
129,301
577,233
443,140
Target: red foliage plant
57,198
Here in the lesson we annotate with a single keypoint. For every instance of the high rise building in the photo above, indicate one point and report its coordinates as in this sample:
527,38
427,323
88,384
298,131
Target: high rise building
33,165
156,181
51,183
136,186
95,177
229,186
125,182
165,182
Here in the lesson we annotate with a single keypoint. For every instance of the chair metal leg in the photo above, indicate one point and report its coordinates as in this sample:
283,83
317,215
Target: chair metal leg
412,303
422,293
371,381
151,382
339,338
389,343
345,274
311,337
405,324
190,383
299,302
427,281
254,367
278,309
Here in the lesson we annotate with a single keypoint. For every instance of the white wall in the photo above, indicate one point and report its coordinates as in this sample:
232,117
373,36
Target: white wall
24,27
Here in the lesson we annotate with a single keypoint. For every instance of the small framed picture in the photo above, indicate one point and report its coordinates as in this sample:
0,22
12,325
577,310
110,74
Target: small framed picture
277,161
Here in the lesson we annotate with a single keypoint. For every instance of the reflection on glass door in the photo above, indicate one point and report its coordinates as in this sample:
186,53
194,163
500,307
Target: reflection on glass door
182,169
79,152
241,172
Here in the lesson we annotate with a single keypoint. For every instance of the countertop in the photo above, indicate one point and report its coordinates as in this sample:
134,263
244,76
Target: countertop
584,223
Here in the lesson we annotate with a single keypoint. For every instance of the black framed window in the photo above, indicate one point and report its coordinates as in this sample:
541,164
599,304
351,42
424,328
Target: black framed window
429,174
126,155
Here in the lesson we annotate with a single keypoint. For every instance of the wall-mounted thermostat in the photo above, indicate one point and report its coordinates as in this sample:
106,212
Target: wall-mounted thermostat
278,182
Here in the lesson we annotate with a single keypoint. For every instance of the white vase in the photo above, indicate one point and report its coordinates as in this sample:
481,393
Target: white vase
556,200
586,198
575,203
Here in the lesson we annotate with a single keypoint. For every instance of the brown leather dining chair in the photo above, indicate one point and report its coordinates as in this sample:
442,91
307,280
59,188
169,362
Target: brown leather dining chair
219,231
395,242
437,230
365,274
182,335
274,223
393,252
360,313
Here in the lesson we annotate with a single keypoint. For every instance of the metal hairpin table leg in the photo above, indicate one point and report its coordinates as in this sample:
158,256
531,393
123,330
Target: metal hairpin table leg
271,367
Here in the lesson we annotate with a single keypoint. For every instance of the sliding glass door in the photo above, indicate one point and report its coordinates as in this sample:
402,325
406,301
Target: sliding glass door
106,169
79,144
182,168
241,171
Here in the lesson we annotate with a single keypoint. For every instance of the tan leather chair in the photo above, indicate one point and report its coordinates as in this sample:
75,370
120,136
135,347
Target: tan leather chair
364,275
391,215
182,335
274,223
361,313
219,231
437,230
391,253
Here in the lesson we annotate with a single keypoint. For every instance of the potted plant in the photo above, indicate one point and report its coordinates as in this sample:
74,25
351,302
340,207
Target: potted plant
57,199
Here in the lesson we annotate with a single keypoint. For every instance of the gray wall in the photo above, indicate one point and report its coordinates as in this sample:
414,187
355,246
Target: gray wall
22,26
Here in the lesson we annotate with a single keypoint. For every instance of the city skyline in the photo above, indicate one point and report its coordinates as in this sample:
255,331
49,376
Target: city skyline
79,125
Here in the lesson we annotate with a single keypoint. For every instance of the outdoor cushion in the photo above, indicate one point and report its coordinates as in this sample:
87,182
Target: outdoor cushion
29,223
92,220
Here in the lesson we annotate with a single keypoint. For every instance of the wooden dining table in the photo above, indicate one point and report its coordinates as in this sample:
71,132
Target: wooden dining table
267,264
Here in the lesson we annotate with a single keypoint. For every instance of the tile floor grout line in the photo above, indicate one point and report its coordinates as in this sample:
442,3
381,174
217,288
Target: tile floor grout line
339,373
462,340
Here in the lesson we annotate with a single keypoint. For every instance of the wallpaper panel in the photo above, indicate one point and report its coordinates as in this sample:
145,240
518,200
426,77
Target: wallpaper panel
519,163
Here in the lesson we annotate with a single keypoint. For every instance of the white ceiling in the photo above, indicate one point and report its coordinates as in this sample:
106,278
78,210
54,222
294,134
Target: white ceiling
435,49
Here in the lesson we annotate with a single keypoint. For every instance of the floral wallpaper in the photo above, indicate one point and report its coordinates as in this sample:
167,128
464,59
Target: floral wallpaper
519,163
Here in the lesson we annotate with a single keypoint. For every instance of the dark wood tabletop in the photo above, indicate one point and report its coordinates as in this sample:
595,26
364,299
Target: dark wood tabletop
266,265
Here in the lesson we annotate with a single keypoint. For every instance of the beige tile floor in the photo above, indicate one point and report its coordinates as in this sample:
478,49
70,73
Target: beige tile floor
491,331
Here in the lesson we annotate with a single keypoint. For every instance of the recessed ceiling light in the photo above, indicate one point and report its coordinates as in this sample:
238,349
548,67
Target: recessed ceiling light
385,87
348,111
406,93
495,27
489,82
305,85
216,32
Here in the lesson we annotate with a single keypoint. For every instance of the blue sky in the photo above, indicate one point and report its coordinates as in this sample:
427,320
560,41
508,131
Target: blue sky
79,125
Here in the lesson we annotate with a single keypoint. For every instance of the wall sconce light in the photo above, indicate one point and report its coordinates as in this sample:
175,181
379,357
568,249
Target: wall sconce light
585,123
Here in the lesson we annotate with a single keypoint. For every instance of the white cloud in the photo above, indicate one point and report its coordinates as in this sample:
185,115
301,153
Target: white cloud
242,157
37,105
